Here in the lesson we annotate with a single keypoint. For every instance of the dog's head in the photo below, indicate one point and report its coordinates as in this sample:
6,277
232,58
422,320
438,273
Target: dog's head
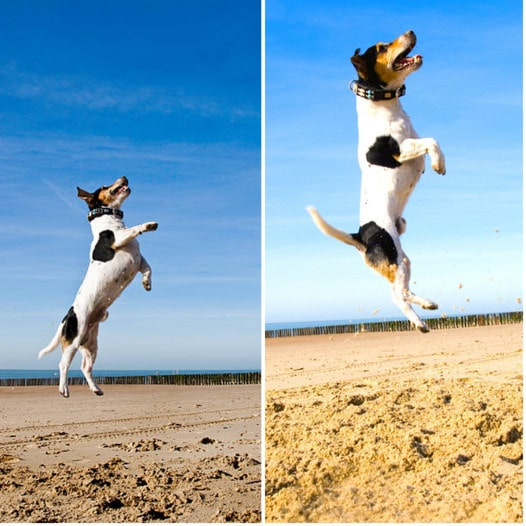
106,196
387,65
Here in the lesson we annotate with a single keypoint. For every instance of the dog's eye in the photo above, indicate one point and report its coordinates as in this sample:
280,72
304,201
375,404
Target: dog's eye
382,48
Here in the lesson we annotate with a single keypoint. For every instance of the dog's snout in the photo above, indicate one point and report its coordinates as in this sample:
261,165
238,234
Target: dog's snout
411,35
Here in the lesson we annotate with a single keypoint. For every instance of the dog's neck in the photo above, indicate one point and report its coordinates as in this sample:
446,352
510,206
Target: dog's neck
103,211
111,220
374,93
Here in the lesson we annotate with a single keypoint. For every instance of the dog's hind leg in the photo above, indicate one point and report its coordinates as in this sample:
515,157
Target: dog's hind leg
146,272
400,298
89,350
71,335
422,302
68,352
413,298
403,297
384,254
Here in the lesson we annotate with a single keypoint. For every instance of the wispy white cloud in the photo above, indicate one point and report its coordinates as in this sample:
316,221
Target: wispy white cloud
98,95
60,154
59,192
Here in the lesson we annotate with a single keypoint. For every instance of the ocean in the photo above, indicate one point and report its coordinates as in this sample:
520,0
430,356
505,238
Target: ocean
8,374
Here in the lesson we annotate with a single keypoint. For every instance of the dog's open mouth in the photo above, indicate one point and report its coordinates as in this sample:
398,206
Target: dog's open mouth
120,189
403,61
123,187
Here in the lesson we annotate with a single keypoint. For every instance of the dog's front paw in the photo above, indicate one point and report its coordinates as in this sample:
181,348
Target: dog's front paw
439,163
150,227
440,169
147,284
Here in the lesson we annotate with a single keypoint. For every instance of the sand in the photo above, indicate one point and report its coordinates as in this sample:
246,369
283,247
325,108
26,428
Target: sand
136,454
395,427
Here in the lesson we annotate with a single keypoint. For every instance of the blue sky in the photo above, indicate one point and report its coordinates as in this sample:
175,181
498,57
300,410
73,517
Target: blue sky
464,230
168,94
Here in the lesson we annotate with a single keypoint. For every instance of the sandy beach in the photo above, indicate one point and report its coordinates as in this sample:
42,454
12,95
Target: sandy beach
395,427
136,454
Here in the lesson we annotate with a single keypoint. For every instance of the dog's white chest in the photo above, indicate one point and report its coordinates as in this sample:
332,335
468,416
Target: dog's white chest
386,183
110,270
381,120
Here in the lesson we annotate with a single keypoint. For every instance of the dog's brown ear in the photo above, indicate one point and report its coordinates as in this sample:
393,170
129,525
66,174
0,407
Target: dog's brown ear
85,196
358,61
82,193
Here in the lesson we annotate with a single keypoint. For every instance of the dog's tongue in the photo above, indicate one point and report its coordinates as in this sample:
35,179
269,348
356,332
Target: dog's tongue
408,61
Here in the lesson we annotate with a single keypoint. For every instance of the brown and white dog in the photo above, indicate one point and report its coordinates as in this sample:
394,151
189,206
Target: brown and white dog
114,262
391,158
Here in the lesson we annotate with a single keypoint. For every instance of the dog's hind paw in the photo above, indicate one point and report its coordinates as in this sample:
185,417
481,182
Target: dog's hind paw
430,306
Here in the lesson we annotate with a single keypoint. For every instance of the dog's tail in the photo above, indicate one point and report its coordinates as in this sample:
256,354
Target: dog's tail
53,344
329,230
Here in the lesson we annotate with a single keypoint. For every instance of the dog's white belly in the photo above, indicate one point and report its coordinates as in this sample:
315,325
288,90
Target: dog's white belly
105,281
385,192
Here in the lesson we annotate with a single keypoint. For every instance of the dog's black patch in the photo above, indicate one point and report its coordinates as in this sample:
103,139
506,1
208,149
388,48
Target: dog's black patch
71,326
103,250
364,65
95,201
383,152
379,245
92,199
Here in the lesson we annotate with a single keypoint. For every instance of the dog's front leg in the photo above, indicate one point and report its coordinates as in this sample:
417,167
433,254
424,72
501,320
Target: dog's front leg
146,272
124,236
414,148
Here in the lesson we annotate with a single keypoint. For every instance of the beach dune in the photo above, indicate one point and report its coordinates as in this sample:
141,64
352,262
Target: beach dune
395,427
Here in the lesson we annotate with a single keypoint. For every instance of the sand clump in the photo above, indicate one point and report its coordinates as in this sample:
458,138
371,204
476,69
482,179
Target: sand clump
113,491
396,453
422,444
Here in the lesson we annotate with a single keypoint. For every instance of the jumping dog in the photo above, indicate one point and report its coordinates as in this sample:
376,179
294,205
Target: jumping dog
115,260
391,158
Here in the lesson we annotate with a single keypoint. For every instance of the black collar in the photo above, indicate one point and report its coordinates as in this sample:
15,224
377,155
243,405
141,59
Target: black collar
375,93
97,212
